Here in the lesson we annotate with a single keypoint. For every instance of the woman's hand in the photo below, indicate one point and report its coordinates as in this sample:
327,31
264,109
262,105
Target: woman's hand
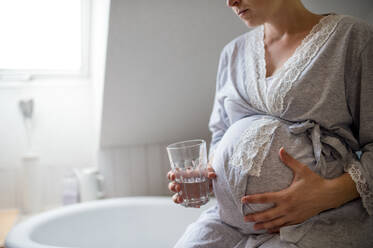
175,187
308,195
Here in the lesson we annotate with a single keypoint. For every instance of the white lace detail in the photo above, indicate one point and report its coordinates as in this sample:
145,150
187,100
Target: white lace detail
269,97
255,68
254,145
362,186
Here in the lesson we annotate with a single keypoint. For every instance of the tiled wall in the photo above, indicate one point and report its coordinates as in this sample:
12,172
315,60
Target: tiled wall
12,186
135,170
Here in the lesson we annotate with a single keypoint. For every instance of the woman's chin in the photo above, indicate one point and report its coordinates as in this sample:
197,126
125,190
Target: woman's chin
251,23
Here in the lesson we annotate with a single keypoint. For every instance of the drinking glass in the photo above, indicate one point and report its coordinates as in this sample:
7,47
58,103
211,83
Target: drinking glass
189,163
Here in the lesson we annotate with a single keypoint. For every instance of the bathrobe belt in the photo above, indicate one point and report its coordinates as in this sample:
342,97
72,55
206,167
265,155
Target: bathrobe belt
320,140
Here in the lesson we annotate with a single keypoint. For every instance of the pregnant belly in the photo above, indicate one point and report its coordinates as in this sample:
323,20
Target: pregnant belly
247,162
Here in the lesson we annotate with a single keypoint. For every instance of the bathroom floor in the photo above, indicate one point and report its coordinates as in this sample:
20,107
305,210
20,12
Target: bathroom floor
8,218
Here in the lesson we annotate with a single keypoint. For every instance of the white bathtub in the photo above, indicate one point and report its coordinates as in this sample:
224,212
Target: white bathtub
125,222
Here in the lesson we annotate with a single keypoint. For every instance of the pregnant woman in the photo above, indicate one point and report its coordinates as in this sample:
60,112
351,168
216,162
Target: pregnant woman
293,105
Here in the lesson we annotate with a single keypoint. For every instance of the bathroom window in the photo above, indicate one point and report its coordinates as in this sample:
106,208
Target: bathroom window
43,38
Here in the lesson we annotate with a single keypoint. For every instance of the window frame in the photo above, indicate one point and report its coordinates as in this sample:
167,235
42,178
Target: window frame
9,75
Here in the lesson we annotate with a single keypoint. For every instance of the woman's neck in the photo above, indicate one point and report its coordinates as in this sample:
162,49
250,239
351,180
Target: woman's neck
291,18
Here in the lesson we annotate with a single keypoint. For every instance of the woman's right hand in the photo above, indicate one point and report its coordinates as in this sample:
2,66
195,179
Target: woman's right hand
175,187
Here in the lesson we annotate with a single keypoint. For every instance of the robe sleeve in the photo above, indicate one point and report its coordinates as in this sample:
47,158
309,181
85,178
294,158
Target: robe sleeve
361,107
219,122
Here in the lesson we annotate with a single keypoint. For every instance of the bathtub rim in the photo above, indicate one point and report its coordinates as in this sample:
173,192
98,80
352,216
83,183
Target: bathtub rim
20,235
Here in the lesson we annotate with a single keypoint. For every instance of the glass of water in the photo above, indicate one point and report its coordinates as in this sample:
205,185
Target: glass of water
189,164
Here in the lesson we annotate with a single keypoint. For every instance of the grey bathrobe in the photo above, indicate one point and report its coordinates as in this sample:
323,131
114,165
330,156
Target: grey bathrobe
319,106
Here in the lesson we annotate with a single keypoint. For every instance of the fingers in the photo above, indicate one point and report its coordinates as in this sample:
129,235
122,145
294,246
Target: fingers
274,230
171,176
291,162
177,198
271,220
270,197
211,173
273,224
267,215
174,187
210,186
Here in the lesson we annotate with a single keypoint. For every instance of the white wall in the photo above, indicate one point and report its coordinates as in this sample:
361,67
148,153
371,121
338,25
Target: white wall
161,69
358,8
66,123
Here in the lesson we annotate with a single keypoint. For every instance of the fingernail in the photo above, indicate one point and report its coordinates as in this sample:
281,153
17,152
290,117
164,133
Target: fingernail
284,151
211,175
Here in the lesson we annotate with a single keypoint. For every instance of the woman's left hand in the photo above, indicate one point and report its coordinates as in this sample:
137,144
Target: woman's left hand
306,197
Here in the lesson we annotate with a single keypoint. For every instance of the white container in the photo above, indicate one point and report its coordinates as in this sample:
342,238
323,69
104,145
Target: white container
90,183
70,194
32,184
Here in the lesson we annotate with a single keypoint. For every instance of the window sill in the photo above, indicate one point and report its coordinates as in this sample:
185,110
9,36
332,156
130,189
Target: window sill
47,83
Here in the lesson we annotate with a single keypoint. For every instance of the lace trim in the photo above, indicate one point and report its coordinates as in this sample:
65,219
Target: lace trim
310,46
254,64
254,145
362,187
270,98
